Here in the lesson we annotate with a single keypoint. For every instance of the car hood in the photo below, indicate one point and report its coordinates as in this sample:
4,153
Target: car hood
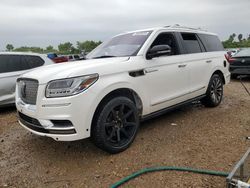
76,68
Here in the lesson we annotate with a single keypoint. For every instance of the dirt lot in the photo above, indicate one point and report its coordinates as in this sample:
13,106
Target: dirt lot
206,138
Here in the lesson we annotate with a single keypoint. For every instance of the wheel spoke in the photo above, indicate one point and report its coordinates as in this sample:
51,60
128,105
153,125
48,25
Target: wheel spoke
121,110
127,114
213,96
114,114
212,86
118,134
129,124
218,94
217,83
112,134
109,124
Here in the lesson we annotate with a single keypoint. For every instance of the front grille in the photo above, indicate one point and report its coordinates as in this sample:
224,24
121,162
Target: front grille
28,90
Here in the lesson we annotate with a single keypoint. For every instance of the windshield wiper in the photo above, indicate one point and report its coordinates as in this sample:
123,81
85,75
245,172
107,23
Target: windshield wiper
103,56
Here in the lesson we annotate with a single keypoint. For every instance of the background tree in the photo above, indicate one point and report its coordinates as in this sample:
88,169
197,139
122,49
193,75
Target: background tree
50,48
29,49
231,37
240,43
65,48
248,38
87,46
240,36
9,47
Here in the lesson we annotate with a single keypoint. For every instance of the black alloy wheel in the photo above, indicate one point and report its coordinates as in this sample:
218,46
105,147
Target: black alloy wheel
116,125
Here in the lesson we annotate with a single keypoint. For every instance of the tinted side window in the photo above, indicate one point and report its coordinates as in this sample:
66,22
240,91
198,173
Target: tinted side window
33,61
191,43
11,63
167,39
211,42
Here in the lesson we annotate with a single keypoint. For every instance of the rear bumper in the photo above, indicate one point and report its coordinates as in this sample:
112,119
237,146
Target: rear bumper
239,69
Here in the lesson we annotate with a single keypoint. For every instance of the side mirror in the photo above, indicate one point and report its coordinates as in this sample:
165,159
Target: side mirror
158,50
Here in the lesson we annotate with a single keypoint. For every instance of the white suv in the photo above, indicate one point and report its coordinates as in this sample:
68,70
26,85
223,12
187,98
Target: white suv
127,79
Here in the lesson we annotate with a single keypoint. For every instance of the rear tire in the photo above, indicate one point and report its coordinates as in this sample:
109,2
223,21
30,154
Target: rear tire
214,92
115,125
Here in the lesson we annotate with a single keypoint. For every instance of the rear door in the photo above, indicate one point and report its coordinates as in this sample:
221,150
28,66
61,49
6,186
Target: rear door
198,63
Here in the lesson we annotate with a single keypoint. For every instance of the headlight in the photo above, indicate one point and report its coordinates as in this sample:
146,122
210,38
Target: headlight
70,86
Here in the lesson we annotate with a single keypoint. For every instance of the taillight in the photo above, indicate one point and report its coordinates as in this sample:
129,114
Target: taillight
229,58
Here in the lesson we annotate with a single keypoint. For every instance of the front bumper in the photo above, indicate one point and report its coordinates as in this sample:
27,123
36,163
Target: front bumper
52,127
63,119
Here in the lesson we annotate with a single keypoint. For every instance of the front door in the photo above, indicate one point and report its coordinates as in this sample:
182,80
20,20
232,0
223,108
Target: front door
166,76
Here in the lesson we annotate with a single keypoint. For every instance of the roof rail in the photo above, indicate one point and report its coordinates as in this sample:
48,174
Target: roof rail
184,27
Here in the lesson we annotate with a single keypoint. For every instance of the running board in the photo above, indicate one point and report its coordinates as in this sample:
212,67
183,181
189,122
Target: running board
170,108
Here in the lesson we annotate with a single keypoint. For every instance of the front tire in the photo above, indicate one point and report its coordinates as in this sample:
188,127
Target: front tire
214,92
115,125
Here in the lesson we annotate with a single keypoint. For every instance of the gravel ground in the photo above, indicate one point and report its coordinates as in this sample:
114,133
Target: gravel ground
193,136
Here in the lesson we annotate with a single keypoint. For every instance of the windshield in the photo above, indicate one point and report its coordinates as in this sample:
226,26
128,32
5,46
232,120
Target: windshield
243,53
122,45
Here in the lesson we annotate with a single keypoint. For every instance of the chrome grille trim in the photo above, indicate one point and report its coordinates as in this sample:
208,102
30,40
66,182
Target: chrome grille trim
27,90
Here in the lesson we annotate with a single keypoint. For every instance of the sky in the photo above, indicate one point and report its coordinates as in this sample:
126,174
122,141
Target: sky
51,22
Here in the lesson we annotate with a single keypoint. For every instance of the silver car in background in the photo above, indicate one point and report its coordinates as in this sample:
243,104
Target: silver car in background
14,64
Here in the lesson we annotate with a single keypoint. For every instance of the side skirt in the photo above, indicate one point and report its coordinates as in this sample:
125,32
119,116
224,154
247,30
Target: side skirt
170,108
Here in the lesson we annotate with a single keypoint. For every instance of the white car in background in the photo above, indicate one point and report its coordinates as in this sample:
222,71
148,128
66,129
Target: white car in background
12,65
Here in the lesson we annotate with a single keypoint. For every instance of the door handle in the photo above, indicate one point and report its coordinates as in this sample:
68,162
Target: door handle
209,61
182,65
150,70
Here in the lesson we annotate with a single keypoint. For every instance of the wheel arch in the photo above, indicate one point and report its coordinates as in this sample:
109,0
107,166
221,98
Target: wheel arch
122,91
126,92
220,73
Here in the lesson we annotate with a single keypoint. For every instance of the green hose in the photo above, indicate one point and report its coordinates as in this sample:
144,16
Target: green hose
162,168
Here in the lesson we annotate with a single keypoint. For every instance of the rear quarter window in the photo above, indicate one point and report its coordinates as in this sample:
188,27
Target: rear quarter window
33,61
211,42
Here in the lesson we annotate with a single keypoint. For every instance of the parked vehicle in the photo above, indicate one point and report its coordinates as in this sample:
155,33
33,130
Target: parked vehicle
74,57
12,65
131,77
57,59
232,52
240,63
